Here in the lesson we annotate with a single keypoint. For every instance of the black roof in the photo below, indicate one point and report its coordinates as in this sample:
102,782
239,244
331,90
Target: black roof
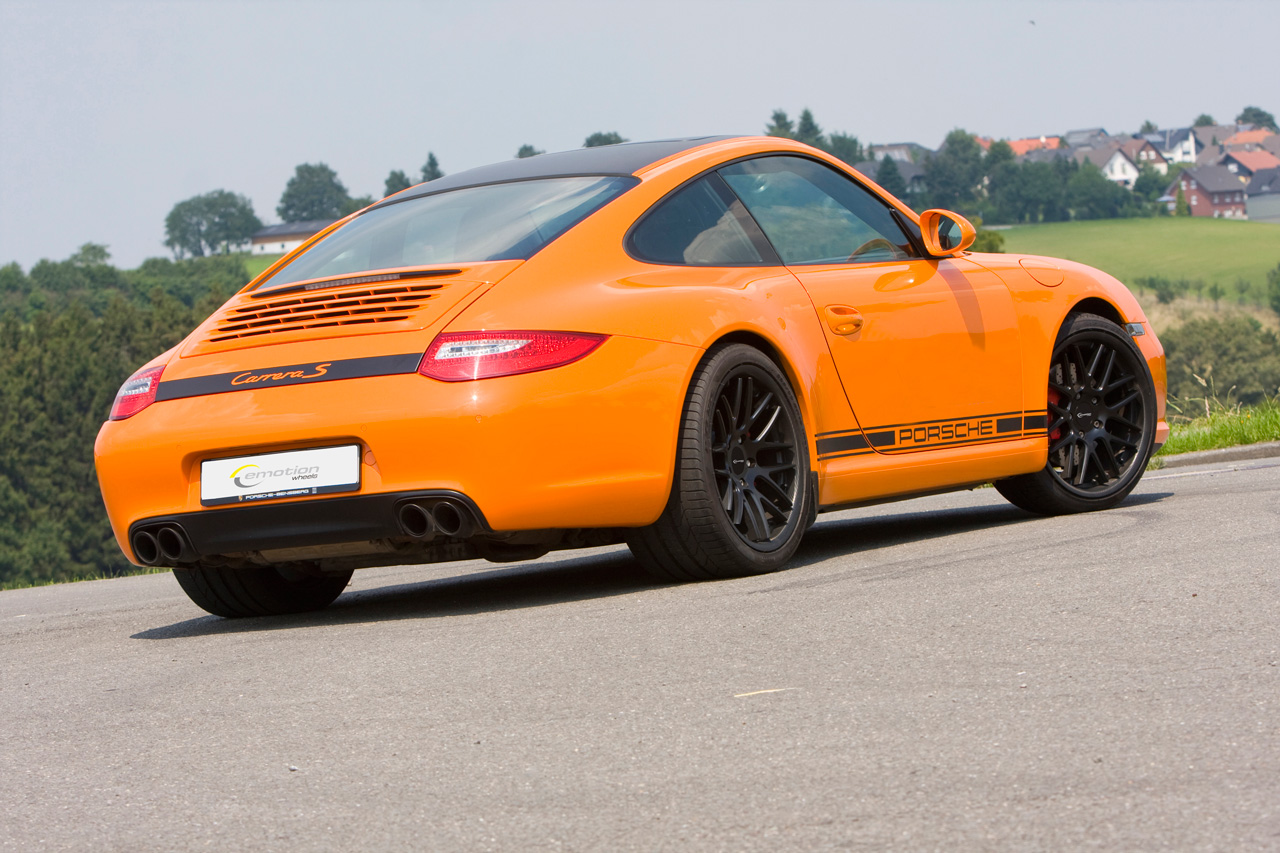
1264,181
293,229
626,158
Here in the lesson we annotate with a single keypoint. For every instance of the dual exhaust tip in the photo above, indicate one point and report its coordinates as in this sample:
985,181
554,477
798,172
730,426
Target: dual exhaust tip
424,519
163,544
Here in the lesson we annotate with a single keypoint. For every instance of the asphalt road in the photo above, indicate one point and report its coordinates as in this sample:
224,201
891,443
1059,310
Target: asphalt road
946,673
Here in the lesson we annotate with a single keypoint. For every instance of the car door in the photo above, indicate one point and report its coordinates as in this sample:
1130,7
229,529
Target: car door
927,349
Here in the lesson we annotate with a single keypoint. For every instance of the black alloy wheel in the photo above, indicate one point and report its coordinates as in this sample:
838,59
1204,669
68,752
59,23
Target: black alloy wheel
1095,416
753,454
742,498
1101,412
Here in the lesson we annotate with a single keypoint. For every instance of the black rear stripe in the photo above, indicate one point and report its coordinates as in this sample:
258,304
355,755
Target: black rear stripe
291,374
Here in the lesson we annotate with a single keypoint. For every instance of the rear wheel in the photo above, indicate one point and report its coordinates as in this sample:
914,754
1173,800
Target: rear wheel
270,591
1102,412
741,498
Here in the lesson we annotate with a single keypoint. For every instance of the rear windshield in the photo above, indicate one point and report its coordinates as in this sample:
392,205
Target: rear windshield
492,223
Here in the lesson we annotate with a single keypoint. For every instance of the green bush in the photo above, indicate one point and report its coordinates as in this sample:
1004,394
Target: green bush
1235,358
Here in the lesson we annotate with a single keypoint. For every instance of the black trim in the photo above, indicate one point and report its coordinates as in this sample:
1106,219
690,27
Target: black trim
1035,422
274,377
1004,425
327,521
375,278
622,160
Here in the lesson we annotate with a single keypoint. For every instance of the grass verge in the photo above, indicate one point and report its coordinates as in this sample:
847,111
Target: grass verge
1209,424
25,584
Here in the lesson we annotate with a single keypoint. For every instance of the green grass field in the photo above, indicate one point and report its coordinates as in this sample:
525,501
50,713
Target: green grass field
255,264
1210,249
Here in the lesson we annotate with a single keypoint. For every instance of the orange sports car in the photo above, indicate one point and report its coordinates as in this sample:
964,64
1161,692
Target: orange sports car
691,346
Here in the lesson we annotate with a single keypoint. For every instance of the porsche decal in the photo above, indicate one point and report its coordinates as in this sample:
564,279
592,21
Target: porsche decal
927,435
291,374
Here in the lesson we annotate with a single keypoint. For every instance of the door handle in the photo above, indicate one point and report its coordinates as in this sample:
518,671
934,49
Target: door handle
843,319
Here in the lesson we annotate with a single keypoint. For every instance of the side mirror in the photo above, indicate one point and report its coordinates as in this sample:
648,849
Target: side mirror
946,233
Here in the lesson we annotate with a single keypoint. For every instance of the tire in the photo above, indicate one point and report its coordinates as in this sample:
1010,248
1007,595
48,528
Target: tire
1102,418
742,493
236,593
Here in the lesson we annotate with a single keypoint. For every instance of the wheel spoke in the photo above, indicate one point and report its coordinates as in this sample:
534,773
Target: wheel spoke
1085,453
1106,374
1092,372
757,525
1133,395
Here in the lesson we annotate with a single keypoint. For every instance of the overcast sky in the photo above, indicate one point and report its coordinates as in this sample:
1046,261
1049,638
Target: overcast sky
111,112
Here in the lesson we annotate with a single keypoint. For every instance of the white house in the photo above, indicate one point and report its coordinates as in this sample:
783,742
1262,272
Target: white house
285,237
1114,163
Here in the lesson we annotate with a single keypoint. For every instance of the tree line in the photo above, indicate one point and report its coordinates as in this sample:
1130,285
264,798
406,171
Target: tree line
220,222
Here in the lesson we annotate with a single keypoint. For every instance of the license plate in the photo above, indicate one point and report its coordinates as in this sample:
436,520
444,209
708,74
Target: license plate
288,474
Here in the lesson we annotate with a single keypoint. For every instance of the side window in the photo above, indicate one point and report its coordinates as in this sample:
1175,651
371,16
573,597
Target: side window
701,225
814,215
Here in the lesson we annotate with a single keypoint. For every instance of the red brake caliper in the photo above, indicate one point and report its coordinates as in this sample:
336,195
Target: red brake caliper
1054,399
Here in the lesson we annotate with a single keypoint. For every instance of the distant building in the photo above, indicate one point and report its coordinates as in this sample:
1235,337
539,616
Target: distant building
1245,164
903,152
285,237
1246,140
1179,145
1263,196
1210,191
1022,147
1090,137
1115,164
912,175
1143,153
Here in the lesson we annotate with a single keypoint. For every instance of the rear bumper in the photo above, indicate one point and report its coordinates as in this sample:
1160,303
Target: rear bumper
590,444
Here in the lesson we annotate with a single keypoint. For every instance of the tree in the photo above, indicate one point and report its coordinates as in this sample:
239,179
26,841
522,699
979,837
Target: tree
314,192
1232,352
954,174
846,147
396,181
90,255
1092,196
889,177
1203,120
1148,126
1216,292
1258,117
1273,288
431,169
780,125
357,203
808,132
600,138
1150,184
206,224
527,150
1180,206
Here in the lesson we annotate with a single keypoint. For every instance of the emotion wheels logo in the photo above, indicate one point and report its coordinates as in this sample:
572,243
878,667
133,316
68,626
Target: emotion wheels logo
251,476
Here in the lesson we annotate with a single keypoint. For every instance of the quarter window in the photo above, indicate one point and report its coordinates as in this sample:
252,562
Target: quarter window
814,215
700,225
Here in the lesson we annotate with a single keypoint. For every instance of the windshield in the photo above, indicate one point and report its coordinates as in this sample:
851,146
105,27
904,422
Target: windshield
491,223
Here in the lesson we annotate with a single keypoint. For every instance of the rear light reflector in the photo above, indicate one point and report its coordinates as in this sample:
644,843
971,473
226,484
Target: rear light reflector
138,392
462,356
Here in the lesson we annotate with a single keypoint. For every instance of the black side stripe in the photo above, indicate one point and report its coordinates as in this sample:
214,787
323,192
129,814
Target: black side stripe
927,435
290,374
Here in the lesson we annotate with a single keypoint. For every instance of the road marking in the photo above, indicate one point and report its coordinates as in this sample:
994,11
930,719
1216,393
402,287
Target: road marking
758,692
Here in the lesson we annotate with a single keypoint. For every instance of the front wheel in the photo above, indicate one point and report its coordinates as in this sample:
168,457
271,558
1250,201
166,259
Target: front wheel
268,591
1102,418
740,500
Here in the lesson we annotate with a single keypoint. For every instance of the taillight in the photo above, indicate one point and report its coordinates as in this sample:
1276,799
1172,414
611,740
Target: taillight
460,356
138,392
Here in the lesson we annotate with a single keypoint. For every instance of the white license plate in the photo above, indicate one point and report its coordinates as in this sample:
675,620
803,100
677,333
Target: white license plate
289,474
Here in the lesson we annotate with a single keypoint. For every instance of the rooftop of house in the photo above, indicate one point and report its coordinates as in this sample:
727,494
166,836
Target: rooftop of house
1247,137
1101,155
1024,146
1131,147
1265,182
1215,179
1254,160
1168,139
292,229
1084,136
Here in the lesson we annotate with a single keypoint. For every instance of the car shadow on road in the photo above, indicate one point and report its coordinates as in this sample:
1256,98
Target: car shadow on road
597,576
